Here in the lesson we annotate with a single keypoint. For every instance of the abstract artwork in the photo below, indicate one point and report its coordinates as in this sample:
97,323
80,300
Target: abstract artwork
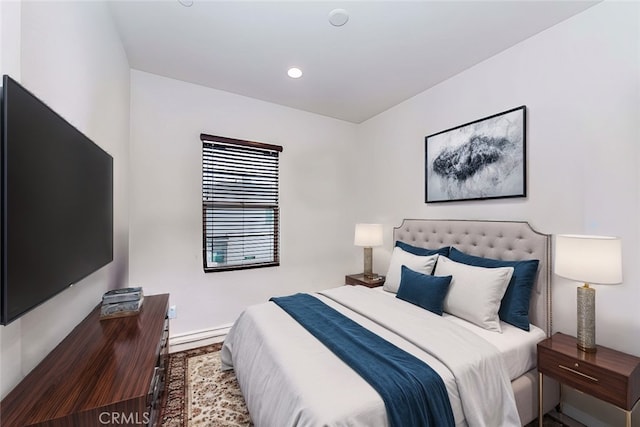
483,159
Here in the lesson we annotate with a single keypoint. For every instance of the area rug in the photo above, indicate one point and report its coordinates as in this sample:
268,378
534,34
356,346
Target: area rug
199,394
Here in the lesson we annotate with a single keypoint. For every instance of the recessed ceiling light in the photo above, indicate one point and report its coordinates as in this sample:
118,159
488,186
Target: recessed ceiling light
294,73
186,3
338,17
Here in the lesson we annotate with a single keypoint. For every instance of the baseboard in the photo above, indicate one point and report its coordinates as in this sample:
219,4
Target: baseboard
194,339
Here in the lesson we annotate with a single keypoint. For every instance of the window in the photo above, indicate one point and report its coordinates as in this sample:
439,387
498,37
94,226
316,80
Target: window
240,213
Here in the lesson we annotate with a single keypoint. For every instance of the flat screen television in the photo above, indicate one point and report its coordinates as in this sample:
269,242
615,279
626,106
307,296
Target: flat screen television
56,203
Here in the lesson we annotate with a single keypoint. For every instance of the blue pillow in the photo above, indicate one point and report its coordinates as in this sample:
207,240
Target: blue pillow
422,251
514,308
423,290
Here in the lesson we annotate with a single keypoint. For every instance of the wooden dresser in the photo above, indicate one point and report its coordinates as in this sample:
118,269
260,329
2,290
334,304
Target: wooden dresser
105,372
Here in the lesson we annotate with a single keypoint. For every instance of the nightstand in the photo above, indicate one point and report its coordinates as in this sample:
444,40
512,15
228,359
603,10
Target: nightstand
359,279
609,375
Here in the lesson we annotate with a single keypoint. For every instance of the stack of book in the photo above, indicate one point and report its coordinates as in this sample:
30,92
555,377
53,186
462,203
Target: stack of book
121,302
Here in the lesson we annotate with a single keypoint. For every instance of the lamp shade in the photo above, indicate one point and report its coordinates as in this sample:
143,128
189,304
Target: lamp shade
589,259
368,235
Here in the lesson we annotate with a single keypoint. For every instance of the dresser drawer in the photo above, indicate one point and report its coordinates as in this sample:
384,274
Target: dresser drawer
584,376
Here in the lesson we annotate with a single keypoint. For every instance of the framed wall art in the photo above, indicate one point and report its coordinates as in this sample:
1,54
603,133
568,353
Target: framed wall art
483,159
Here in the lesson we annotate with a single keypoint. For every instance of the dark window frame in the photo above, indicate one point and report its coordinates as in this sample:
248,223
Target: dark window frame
239,201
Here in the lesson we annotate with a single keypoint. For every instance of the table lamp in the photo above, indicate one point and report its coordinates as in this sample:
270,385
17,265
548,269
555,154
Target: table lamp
368,236
588,259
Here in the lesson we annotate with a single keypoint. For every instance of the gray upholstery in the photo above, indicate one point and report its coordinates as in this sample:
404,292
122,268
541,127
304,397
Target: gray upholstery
509,241
504,240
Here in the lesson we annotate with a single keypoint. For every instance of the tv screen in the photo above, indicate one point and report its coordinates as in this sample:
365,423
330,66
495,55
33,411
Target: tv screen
56,203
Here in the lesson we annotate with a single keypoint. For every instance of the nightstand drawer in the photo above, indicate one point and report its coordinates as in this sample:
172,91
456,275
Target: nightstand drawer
583,376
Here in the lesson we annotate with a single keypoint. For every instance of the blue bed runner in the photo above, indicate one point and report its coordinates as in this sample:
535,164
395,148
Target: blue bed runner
413,393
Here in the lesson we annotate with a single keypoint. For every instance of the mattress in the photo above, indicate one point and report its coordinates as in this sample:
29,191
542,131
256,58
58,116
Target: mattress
517,347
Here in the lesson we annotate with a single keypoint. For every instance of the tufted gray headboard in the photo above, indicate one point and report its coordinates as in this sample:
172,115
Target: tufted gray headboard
504,240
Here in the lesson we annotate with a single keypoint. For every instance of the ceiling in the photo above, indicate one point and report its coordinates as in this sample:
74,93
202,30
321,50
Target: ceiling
387,52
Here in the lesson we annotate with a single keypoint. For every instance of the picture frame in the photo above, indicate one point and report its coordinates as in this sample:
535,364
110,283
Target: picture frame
480,160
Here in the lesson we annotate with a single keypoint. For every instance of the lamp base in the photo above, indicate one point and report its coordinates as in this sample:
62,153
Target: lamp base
368,263
586,349
586,339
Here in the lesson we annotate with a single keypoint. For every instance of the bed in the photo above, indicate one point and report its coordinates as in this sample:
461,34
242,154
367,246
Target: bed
289,378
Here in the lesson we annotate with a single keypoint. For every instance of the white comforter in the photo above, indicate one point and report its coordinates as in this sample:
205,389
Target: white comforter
288,378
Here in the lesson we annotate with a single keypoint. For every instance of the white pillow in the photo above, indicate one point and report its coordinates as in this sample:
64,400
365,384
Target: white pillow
399,257
475,293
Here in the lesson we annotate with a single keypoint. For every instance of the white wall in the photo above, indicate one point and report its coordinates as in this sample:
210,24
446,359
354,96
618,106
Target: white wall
71,58
580,81
316,198
10,342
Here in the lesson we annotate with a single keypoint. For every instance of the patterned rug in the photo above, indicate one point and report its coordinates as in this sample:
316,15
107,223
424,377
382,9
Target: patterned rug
199,394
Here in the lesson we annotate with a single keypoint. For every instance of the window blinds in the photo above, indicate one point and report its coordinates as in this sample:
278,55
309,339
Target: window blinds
239,203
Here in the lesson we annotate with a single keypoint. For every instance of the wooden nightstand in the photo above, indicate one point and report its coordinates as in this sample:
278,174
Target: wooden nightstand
607,374
359,279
